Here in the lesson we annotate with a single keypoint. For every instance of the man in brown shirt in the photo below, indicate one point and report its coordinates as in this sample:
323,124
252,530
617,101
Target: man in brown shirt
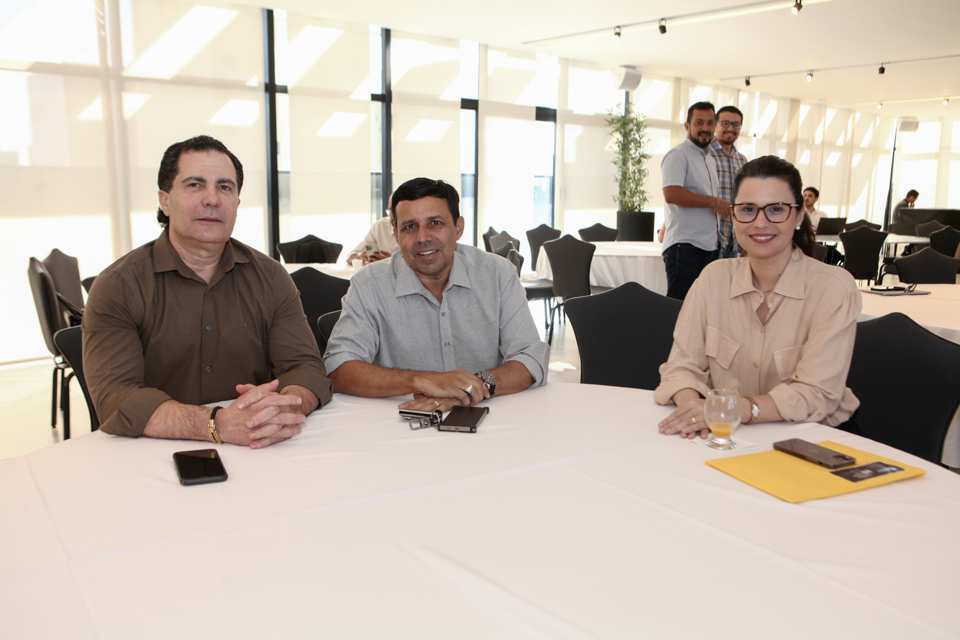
197,317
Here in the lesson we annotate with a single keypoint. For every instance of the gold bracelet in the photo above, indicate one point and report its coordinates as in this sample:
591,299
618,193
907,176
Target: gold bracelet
212,427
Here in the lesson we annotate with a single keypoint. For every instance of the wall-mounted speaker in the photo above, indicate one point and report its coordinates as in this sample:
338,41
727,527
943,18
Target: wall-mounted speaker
626,79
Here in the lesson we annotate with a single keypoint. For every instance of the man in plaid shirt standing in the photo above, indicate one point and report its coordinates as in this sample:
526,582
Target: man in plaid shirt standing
729,162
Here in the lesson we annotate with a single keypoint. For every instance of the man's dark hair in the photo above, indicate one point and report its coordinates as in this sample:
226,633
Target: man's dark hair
813,190
700,106
773,167
728,109
425,188
913,192
170,165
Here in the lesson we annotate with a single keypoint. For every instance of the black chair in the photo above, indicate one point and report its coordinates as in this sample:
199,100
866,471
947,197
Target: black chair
70,343
908,404
325,324
319,294
536,237
861,248
598,233
52,320
623,335
309,249
486,238
65,271
516,259
856,224
821,252
501,243
570,260
87,283
945,241
927,267
927,229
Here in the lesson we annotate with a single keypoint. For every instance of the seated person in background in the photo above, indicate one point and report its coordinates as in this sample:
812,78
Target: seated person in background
777,326
196,317
448,323
810,197
379,243
907,202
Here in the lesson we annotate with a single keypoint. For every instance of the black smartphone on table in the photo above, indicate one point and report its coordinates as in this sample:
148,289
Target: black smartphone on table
463,419
814,453
199,467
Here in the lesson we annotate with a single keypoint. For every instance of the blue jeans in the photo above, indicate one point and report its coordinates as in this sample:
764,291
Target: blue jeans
684,262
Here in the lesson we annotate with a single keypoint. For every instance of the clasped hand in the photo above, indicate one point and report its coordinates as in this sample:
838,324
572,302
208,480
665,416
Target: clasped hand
445,390
260,416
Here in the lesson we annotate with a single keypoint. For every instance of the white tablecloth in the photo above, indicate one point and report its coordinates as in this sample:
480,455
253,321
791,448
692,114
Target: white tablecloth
615,263
566,516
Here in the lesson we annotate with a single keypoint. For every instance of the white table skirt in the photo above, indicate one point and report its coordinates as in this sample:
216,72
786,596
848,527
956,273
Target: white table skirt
615,263
566,516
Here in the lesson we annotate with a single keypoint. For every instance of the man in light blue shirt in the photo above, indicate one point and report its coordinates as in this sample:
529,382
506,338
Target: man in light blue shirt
446,322
691,191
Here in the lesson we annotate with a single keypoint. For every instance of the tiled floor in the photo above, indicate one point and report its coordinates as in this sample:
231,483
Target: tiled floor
25,395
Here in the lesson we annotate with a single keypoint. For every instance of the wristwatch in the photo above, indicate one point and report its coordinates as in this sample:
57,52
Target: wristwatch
754,410
488,380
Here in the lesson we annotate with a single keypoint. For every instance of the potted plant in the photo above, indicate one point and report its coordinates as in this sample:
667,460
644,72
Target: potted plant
627,129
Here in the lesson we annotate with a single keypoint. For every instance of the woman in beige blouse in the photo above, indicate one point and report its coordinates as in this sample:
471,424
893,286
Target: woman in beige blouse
777,325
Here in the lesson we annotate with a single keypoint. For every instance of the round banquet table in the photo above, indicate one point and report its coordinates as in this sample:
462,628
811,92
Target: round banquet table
615,263
566,516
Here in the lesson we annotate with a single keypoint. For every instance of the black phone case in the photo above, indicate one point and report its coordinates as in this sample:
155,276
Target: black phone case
219,471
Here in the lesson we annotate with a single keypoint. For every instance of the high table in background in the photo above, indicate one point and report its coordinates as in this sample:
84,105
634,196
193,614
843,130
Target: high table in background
615,263
566,516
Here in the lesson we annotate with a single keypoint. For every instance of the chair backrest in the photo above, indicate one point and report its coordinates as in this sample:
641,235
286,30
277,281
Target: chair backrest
65,271
831,226
856,224
926,229
598,233
906,380
45,299
319,294
570,261
945,241
927,267
69,342
87,283
499,243
862,248
288,250
517,259
821,252
317,251
486,238
325,324
536,237
623,335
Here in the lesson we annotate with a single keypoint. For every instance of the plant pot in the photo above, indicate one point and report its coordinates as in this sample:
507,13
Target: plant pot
635,226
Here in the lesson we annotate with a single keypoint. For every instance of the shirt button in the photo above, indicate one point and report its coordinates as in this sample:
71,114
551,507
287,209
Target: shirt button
443,313
446,344
209,327
209,369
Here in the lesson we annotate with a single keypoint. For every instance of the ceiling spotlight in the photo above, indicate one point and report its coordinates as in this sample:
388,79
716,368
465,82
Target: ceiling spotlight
616,34
663,25
809,76
746,81
882,69
879,106
946,101
797,6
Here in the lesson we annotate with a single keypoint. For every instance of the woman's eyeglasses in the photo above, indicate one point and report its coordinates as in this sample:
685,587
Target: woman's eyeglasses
775,212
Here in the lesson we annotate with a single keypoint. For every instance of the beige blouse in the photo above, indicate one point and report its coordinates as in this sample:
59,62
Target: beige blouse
801,357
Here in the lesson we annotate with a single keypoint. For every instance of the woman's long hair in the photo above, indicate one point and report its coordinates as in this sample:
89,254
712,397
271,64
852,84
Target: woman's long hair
773,167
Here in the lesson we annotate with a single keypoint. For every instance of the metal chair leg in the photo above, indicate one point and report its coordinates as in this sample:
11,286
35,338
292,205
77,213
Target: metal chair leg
65,403
53,402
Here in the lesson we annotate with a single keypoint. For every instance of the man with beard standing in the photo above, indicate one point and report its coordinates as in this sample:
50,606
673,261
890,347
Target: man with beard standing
729,161
691,191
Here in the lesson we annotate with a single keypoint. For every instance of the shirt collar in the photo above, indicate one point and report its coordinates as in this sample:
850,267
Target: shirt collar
790,284
166,258
689,142
408,283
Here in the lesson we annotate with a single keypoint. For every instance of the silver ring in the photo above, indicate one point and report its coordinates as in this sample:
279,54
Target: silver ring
469,389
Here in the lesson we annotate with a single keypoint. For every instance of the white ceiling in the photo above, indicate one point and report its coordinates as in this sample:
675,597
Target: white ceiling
829,37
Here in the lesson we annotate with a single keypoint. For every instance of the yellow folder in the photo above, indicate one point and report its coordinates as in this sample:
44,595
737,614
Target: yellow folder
795,480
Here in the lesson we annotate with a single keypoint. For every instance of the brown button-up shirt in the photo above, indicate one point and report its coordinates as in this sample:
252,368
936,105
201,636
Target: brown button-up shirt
800,356
153,330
